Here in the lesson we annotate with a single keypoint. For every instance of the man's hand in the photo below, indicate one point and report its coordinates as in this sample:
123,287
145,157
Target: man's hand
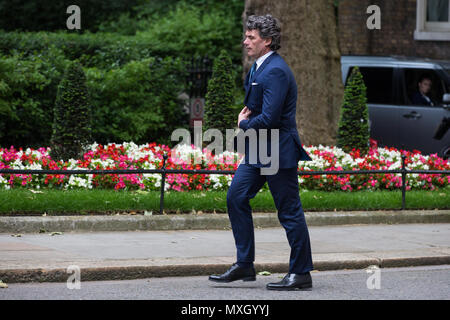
243,115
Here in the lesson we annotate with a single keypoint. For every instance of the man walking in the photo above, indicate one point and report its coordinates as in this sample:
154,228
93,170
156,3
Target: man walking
270,104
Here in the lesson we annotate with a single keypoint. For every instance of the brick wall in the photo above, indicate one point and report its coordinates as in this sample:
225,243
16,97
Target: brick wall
396,36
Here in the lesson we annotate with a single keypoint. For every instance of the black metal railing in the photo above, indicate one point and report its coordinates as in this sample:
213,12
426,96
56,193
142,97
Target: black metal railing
163,171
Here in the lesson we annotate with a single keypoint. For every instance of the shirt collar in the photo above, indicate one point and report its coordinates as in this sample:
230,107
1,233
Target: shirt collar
261,59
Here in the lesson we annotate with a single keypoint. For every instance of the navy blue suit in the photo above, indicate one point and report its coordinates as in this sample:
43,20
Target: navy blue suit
271,95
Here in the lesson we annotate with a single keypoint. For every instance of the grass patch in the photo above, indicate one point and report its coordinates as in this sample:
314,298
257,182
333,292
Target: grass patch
24,201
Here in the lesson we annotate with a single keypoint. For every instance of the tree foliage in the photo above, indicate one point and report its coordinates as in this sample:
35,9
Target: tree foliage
51,15
132,53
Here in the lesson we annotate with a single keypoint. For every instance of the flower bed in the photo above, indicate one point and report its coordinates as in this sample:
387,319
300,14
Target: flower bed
150,156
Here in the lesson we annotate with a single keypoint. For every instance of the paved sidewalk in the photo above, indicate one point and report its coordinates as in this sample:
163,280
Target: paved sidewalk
208,221
141,254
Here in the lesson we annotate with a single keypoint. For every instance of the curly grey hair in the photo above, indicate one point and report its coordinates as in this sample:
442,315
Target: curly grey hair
268,27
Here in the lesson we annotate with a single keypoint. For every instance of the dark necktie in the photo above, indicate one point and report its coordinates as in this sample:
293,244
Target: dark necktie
252,71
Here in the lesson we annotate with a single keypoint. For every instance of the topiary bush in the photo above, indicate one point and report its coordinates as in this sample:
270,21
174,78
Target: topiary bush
72,116
219,100
353,129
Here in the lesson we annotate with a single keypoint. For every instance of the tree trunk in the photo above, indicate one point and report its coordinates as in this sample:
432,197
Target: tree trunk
309,44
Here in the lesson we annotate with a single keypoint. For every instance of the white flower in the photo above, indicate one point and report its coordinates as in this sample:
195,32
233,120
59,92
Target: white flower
93,146
34,166
76,181
17,164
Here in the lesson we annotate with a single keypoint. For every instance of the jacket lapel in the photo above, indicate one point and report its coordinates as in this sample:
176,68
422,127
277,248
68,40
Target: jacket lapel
264,64
247,84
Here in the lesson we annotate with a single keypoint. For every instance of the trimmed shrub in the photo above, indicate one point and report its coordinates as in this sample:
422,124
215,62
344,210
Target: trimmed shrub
219,98
72,116
353,130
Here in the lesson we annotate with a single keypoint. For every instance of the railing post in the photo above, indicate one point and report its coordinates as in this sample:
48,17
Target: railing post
403,181
163,182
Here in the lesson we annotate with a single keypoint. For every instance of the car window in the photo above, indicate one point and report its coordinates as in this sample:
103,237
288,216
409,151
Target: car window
414,95
379,84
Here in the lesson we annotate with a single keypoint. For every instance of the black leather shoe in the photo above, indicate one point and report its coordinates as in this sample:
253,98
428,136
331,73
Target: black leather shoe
292,281
235,273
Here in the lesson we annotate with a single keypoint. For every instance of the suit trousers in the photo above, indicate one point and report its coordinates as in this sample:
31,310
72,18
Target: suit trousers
283,186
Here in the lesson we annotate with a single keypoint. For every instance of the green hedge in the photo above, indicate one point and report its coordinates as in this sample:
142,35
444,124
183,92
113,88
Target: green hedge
28,88
183,32
102,50
138,102
134,80
134,102
51,15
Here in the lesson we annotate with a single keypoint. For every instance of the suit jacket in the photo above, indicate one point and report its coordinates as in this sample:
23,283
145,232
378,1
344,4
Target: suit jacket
418,99
272,97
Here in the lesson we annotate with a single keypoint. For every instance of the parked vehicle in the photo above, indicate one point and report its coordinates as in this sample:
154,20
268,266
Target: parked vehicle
391,85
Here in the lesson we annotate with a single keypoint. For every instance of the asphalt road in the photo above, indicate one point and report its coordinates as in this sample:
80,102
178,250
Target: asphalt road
428,282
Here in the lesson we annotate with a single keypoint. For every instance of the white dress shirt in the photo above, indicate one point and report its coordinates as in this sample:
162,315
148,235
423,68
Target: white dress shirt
261,59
